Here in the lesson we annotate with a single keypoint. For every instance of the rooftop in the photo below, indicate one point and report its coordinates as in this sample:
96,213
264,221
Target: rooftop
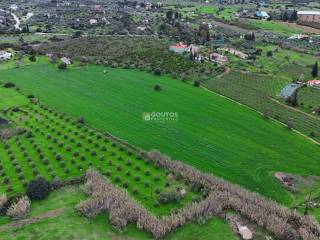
308,13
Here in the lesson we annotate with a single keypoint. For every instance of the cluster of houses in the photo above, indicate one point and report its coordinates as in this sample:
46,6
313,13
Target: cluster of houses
182,48
217,56
310,16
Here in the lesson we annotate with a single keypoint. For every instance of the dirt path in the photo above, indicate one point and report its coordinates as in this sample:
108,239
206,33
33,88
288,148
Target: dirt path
23,222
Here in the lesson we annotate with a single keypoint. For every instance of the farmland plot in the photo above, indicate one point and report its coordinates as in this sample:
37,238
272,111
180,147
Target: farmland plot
212,133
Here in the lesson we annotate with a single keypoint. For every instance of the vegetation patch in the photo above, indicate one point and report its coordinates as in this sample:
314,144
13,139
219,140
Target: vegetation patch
56,146
255,146
11,98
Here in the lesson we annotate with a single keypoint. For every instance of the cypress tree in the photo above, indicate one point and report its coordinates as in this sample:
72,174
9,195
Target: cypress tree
314,71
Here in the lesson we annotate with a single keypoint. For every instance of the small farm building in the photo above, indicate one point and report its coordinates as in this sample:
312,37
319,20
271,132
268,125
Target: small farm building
314,83
309,16
5,55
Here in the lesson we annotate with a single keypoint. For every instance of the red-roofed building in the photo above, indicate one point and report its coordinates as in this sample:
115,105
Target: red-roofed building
314,83
179,48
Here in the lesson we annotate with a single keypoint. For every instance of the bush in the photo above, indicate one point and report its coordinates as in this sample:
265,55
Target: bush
129,163
38,189
81,120
157,87
32,58
157,72
126,184
137,178
117,179
169,197
196,83
119,168
135,191
19,209
9,85
56,183
62,66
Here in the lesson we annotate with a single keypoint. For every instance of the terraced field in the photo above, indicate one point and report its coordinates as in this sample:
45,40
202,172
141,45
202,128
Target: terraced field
55,145
212,133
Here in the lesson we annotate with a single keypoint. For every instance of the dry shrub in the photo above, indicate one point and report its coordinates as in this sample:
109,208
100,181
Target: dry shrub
123,209
19,209
221,196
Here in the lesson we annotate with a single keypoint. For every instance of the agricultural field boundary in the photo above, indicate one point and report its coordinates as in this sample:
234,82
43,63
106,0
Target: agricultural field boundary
272,119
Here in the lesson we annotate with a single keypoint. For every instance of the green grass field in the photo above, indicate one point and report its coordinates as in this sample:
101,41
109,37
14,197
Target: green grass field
225,14
263,79
212,133
261,94
69,225
10,98
279,28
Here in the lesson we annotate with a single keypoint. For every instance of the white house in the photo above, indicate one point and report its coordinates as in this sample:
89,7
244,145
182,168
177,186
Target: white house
5,55
66,60
93,21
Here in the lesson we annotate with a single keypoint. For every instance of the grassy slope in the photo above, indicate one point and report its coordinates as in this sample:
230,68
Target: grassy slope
276,27
212,133
69,225
10,98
